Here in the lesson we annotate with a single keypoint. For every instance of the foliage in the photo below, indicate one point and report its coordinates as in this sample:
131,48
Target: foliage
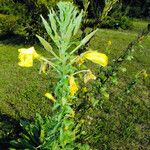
65,131
99,98
115,121
118,18
117,22
137,8
28,12
106,14
30,17
6,6
61,28
35,135
99,11
8,24
95,11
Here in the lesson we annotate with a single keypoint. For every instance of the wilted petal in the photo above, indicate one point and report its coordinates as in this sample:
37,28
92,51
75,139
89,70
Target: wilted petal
44,68
79,60
89,76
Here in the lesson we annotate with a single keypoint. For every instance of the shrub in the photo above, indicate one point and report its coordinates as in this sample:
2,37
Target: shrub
137,8
31,18
116,22
8,24
29,12
117,18
6,6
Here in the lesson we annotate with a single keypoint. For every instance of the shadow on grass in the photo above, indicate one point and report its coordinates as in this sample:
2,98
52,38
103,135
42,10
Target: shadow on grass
10,128
13,39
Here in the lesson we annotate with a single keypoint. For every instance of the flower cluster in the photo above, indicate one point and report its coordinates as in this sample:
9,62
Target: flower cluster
26,57
63,60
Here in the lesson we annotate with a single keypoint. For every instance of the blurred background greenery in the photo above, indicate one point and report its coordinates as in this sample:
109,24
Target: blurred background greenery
22,16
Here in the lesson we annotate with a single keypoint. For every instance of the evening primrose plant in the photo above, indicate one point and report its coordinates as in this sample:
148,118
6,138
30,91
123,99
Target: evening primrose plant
62,26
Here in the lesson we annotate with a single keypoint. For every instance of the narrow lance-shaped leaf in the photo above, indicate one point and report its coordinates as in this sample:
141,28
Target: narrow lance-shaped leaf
61,14
47,46
56,16
86,4
84,41
42,135
52,21
69,15
69,33
47,27
88,37
77,23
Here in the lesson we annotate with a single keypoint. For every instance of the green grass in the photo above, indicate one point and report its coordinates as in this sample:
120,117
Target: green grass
22,90
122,122
138,25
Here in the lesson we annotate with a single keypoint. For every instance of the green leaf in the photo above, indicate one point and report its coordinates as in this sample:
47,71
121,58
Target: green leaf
123,69
55,146
53,21
85,40
88,37
83,147
77,23
42,135
47,46
47,27
130,57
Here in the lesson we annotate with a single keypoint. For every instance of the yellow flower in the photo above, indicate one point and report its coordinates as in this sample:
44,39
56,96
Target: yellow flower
96,57
145,74
66,128
109,43
49,96
73,86
82,120
26,57
89,76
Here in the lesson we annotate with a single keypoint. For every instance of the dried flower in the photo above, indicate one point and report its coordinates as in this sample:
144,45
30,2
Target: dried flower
89,76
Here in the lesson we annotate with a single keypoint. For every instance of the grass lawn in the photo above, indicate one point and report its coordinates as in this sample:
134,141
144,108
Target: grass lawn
22,89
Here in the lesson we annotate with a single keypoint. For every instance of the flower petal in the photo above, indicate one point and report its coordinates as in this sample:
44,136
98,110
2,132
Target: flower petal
96,57
25,60
26,56
73,86
49,96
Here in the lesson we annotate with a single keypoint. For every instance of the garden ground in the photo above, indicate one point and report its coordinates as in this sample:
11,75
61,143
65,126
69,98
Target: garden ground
22,89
